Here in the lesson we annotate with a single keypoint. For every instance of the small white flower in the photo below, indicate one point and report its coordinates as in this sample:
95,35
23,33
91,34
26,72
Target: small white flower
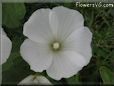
34,79
57,42
5,46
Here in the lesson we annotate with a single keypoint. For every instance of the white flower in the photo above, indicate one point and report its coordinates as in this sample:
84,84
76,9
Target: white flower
57,42
33,79
5,47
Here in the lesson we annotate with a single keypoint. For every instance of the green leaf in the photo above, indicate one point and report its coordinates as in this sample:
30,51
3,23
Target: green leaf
18,71
73,80
112,12
15,69
106,75
13,14
17,40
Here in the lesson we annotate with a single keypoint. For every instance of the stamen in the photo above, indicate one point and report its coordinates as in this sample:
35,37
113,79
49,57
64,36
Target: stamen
56,45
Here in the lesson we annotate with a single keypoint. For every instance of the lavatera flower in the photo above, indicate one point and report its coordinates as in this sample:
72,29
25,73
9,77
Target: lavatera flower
34,80
57,42
5,46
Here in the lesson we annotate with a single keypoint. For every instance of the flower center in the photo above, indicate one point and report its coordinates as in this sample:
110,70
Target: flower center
56,46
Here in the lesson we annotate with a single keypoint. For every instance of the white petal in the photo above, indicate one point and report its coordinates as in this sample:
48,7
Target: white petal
2,32
28,80
37,55
80,41
43,80
65,21
37,28
54,23
34,79
65,65
5,47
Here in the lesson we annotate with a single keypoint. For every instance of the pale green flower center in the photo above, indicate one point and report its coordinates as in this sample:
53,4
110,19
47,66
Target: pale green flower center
56,45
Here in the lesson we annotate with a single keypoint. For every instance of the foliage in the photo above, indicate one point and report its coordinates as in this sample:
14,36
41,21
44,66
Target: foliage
13,14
